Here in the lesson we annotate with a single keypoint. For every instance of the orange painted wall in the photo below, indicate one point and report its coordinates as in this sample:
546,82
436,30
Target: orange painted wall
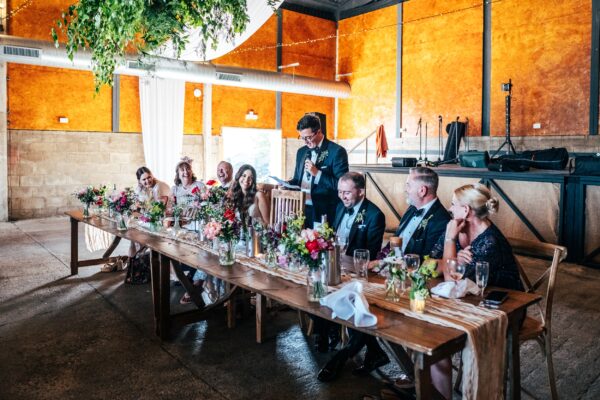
230,104
130,119
367,49
36,99
317,60
37,19
441,64
192,117
544,47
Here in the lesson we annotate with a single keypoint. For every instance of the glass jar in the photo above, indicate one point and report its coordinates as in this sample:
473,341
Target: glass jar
122,221
226,252
417,303
316,284
271,258
86,210
393,288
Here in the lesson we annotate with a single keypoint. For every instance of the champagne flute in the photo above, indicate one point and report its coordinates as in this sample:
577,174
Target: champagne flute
482,273
361,263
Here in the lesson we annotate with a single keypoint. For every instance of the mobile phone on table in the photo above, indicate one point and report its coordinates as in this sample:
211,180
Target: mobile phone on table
495,297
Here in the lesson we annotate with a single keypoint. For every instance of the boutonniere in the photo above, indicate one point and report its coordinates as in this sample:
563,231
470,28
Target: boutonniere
322,156
360,218
424,222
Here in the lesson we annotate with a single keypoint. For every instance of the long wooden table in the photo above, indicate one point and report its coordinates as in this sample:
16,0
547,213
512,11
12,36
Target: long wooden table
428,343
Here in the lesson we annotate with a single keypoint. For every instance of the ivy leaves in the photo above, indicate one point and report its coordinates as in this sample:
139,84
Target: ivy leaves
110,28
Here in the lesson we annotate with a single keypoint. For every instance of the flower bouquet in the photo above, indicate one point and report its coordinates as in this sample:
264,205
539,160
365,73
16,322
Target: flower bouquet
225,227
395,277
269,240
153,215
88,196
120,204
310,246
208,201
419,291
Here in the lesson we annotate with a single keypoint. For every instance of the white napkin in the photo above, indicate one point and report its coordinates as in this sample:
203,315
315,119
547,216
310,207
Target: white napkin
349,301
455,290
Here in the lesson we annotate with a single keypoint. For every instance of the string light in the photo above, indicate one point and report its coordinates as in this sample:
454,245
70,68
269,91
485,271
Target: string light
17,10
333,36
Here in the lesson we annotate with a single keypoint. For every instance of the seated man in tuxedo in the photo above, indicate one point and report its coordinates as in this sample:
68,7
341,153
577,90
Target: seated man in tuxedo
420,228
359,224
319,165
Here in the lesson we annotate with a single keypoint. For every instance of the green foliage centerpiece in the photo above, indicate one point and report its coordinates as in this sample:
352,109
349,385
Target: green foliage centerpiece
419,278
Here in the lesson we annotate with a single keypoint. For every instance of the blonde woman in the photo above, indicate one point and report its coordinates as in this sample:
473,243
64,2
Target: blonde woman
471,237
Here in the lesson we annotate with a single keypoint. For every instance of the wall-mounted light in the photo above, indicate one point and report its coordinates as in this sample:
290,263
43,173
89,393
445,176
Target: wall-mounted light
292,65
338,76
197,93
251,115
63,120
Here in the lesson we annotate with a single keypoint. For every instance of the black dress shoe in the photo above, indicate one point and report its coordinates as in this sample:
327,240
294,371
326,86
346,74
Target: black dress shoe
334,338
371,363
334,367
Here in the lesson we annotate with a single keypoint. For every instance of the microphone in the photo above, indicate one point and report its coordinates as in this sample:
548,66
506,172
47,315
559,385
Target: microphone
308,153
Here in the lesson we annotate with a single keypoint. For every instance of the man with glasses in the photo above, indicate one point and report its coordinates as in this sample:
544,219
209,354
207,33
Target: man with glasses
319,165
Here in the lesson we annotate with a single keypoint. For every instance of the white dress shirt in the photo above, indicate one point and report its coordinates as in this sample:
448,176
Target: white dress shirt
343,231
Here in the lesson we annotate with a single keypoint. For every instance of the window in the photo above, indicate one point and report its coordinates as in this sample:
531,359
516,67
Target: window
260,148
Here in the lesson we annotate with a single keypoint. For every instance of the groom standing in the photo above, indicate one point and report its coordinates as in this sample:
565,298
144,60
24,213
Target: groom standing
319,165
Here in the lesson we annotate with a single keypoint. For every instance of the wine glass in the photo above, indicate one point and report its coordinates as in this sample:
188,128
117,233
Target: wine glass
482,273
456,270
412,261
361,263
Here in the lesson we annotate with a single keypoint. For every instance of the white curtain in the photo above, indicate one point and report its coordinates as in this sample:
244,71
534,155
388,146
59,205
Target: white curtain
161,105
258,11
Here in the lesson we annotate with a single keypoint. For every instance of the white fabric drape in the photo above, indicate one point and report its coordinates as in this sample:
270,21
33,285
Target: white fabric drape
161,105
259,12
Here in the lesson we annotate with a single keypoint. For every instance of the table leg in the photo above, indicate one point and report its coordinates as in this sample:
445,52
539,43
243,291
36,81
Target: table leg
513,358
165,296
74,246
231,305
261,312
423,384
155,277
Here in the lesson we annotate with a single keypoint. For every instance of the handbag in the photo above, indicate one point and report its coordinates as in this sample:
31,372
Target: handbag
474,159
586,165
138,271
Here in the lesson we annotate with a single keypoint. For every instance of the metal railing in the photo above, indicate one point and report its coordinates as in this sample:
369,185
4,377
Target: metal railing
365,140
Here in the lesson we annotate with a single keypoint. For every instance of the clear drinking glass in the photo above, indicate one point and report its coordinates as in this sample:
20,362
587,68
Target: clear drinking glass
482,273
361,263
412,261
456,270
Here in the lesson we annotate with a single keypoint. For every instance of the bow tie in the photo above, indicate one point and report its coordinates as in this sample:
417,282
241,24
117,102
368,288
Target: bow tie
316,150
350,210
419,212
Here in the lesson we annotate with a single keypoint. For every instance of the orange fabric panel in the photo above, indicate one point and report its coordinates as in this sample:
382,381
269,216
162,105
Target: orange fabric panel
130,119
317,59
367,49
231,104
264,59
442,65
294,106
38,96
192,118
545,49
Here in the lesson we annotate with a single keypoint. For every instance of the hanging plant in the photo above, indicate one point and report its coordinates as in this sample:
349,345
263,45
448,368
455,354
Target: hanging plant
110,28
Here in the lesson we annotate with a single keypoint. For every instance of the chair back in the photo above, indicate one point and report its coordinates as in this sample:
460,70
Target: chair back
285,203
540,250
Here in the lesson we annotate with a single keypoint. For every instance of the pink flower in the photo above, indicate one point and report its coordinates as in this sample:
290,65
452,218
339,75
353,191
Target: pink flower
212,230
314,255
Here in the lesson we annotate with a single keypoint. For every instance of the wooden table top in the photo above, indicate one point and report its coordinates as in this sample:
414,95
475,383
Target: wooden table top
415,334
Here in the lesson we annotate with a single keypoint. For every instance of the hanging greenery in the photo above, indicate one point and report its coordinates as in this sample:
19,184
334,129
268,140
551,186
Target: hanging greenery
109,28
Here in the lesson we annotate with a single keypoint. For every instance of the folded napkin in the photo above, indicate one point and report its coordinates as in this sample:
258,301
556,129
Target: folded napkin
456,290
350,301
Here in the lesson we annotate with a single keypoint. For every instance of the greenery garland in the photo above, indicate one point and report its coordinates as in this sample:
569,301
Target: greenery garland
110,28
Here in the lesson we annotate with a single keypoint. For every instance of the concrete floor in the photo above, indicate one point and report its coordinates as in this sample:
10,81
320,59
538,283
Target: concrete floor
90,336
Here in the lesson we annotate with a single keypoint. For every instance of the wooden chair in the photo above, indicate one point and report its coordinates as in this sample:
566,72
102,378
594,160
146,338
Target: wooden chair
285,203
540,329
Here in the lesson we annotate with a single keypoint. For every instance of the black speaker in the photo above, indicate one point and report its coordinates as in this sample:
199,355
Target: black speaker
323,119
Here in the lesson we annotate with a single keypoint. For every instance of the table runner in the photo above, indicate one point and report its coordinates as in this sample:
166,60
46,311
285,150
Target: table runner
484,353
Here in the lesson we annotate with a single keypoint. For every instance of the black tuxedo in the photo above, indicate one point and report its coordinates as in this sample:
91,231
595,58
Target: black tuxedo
365,234
424,238
332,161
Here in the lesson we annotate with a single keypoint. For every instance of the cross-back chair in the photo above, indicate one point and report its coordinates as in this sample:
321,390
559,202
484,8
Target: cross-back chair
285,203
533,328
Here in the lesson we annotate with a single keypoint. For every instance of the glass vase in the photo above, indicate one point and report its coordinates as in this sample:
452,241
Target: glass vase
86,210
200,226
393,288
226,252
122,221
271,259
316,284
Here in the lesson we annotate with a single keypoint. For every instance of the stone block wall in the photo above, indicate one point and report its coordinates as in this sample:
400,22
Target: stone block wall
45,168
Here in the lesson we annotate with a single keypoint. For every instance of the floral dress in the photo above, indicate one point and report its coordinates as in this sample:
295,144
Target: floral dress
490,246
